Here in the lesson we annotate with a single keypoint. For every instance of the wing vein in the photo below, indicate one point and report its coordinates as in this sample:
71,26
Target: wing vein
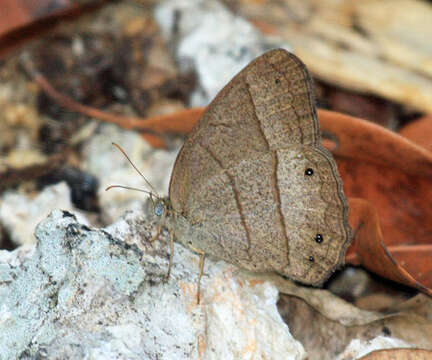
277,197
257,118
236,197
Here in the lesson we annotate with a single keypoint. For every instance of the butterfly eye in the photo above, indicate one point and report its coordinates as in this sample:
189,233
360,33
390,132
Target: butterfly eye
309,172
159,208
319,238
277,81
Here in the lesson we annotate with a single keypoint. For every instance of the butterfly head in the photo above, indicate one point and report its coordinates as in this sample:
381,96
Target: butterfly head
161,206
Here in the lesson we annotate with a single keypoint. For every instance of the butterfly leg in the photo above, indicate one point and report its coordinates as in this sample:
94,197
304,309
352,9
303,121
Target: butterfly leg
171,256
201,267
158,233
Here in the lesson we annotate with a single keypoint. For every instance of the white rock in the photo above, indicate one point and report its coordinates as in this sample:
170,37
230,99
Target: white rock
358,348
104,161
20,214
84,293
248,316
215,42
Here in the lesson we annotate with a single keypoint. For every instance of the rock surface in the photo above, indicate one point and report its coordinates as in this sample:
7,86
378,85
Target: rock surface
85,293
19,214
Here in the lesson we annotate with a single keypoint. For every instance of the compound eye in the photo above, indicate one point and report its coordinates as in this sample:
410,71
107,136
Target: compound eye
159,209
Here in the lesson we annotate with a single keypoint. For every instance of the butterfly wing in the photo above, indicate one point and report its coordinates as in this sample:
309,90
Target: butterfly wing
240,182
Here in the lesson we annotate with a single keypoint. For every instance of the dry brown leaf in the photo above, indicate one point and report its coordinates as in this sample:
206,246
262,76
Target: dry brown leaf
419,131
375,46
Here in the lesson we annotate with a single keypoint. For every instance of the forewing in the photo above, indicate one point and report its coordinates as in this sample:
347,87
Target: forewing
236,125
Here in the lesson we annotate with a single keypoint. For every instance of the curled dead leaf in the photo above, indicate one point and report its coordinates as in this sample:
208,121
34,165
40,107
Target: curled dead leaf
419,132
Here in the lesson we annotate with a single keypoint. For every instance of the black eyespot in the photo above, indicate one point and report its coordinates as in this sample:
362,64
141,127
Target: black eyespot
309,172
277,81
319,238
311,259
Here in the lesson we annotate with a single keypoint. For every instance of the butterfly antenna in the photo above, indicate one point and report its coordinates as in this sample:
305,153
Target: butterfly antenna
129,188
152,200
136,169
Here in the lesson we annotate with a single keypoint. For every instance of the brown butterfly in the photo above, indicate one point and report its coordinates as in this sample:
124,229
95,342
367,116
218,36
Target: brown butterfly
252,184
